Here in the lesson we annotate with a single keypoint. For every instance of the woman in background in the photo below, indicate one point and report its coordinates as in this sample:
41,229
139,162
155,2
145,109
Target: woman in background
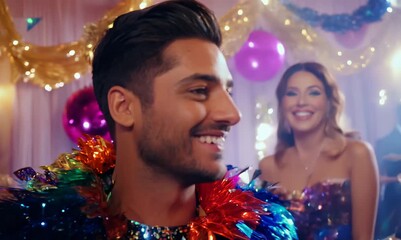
330,181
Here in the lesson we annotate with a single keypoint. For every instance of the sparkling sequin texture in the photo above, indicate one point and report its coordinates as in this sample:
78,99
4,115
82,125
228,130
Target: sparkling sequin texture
322,211
140,231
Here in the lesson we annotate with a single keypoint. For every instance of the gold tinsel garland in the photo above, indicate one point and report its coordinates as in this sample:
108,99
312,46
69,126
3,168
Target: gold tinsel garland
54,66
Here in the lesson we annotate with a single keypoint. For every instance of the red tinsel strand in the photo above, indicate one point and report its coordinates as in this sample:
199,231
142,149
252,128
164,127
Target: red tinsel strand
97,153
224,207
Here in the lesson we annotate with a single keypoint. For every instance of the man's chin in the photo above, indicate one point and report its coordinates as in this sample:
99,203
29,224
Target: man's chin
222,173
209,176
219,173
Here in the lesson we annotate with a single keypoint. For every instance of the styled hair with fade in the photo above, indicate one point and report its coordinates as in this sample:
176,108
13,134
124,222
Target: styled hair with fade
131,54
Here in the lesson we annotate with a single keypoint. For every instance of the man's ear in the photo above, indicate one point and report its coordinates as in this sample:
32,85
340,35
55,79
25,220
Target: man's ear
122,104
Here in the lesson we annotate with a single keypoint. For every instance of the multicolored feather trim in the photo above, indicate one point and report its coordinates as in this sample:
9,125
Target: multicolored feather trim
69,201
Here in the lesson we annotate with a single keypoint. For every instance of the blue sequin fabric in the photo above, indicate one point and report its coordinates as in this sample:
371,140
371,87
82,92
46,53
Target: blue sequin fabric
321,211
138,231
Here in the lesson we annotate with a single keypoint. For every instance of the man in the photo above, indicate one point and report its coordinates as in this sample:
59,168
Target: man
388,151
164,88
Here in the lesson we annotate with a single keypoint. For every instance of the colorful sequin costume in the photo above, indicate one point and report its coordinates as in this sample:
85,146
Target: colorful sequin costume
69,201
322,211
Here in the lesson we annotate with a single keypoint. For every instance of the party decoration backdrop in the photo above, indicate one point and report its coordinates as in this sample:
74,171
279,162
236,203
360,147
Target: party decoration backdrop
54,66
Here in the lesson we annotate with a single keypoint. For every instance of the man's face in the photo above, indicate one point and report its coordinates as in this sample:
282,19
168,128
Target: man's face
183,131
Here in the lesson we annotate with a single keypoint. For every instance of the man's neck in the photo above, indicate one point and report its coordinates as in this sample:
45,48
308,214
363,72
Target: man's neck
151,199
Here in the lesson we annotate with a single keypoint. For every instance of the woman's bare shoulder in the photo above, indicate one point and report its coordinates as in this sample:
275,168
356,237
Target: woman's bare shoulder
358,146
359,150
267,162
268,167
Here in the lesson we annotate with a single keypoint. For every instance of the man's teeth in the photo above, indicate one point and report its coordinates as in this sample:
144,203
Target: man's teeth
303,114
211,139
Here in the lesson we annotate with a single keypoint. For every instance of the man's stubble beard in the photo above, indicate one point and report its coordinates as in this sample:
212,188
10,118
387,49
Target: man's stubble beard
167,152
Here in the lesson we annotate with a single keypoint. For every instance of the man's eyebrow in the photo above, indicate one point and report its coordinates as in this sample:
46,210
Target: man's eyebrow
205,77
199,76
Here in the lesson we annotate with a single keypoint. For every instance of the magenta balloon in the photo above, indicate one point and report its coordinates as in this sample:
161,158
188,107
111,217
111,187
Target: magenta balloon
261,57
82,115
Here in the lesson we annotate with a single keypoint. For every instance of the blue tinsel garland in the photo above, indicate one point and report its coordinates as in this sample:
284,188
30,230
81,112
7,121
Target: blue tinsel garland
372,11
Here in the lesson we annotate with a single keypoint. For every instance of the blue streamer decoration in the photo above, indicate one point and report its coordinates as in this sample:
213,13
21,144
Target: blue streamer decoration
32,22
371,12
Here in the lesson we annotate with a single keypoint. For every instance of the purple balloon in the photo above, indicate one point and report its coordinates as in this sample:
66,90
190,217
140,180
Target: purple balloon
261,57
82,115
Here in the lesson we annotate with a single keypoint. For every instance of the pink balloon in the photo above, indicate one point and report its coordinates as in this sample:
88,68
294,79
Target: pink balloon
261,57
351,39
82,115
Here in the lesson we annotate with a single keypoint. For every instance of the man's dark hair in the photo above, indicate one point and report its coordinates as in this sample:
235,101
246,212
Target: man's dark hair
130,54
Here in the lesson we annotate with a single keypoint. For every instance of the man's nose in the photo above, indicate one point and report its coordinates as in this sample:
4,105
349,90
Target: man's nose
225,110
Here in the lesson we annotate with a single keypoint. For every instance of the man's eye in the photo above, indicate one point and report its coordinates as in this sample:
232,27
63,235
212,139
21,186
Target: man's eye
290,93
199,91
230,91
